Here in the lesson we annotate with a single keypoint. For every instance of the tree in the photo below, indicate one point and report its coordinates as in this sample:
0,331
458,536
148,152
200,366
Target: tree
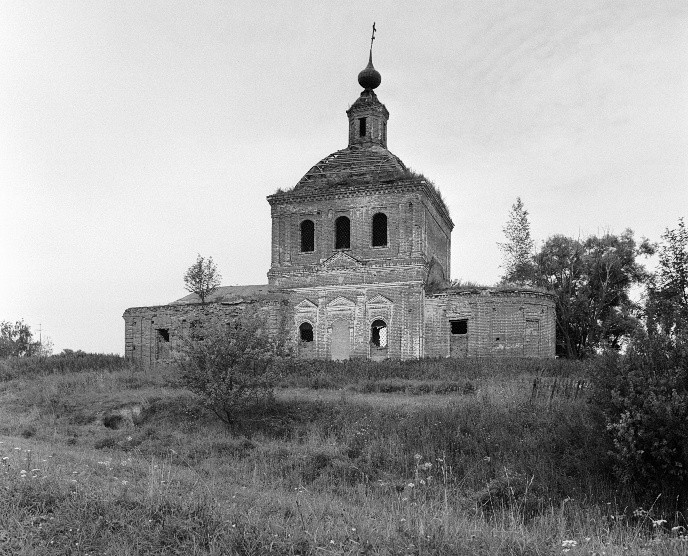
16,340
643,396
202,278
517,251
232,367
667,300
591,281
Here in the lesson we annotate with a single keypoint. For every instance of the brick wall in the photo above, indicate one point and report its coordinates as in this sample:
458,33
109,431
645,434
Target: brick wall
417,231
499,323
147,346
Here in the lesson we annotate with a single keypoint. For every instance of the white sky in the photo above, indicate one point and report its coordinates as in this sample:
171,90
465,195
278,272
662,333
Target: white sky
134,135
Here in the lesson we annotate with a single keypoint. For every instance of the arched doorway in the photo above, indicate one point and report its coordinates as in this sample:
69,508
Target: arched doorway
378,340
340,346
306,343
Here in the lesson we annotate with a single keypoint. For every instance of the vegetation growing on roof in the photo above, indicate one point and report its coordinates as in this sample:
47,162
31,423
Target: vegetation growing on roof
470,286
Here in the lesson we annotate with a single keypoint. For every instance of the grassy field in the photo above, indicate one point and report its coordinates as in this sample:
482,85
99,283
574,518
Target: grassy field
429,458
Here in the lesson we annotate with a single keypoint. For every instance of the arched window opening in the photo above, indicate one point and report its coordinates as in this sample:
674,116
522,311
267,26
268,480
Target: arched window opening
342,233
380,230
306,332
307,236
378,333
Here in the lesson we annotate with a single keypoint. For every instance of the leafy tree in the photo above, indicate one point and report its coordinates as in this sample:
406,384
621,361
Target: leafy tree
233,367
591,280
518,249
667,304
643,396
16,340
202,278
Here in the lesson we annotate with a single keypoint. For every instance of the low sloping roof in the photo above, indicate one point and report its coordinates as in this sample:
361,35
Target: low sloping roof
231,294
353,162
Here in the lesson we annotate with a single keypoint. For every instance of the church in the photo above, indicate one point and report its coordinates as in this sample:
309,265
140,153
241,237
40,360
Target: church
360,268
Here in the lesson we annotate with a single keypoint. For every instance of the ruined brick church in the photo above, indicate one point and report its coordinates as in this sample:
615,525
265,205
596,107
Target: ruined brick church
360,269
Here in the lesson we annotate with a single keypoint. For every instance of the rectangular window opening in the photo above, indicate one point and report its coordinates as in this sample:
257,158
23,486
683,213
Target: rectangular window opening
362,127
459,326
164,334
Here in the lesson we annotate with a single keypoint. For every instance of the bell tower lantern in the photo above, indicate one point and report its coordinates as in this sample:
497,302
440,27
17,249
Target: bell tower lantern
368,116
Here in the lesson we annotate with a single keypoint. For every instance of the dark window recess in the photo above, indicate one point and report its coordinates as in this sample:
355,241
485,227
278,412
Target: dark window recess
164,334
306,332
380,230
496,338
342,233
459,326
378,333
362,127
307,236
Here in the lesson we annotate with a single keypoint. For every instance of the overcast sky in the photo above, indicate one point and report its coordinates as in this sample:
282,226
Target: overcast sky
134,135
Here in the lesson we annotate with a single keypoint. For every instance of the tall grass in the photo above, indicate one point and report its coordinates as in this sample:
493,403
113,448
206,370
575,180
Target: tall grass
73,362
490,470
317,373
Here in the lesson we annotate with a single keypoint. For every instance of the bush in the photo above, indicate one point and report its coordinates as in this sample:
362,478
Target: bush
643,397
231,368
316,373
67,362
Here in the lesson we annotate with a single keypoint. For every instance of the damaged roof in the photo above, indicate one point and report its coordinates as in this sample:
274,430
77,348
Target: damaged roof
231,294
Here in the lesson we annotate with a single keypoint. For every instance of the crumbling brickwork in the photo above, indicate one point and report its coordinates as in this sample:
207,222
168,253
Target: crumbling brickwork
497,323
356,244
154,334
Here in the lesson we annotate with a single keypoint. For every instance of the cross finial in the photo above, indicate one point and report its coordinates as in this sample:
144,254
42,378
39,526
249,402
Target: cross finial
372,38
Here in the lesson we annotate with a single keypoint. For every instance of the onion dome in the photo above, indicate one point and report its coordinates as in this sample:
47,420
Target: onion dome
369,78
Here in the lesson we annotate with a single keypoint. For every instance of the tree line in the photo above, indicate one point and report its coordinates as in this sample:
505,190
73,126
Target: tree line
591,279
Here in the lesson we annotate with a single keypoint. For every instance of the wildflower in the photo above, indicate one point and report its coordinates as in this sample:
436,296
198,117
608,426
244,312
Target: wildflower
125,482
422,482
426,466
658,522
17,448
569,544
487,459
411,485
418,457
678,530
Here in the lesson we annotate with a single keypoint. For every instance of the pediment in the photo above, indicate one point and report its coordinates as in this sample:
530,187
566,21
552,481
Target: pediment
379,300
306,305
341,303
341,260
